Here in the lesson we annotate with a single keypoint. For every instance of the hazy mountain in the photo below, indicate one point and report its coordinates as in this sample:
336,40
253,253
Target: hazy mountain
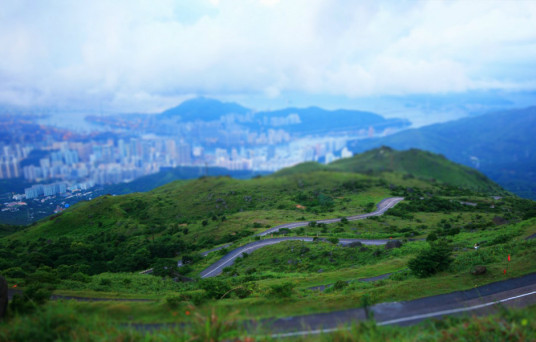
313,120
204,109
500,144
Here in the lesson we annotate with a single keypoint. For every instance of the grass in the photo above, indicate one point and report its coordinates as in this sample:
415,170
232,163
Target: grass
63,321
189,217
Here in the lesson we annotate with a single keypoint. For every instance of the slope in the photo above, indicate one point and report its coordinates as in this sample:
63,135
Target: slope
501,145
411,163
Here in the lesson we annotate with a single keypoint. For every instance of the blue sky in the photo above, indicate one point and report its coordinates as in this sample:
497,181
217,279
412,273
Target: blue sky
144,56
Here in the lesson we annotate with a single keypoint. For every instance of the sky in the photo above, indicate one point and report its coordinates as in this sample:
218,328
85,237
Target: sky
145,56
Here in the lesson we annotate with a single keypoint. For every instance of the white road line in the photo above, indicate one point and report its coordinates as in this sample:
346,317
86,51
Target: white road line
451,311
406,319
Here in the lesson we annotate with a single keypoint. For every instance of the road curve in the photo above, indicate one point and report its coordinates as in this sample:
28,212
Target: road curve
227,260
382,207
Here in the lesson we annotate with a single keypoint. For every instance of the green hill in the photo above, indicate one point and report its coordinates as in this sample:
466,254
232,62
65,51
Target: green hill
98,248
412,163
500,145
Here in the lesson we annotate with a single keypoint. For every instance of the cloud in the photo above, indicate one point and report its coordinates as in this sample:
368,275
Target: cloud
143,54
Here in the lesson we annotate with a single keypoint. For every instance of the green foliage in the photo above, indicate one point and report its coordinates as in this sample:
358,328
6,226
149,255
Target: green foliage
283,290
339,285
435,259
215,288
165,268
333,240
31,298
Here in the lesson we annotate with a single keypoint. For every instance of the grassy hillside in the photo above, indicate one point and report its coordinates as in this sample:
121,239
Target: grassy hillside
412,163
98,248
500,145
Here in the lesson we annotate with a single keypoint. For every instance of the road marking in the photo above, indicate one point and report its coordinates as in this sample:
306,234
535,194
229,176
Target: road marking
406,319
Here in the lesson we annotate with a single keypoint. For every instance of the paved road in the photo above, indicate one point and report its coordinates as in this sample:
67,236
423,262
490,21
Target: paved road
382,207
518,292
227,260
483,300
205,253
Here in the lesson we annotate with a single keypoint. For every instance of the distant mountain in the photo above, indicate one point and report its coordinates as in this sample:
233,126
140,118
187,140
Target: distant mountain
204,109
311,120
501,145
211,126
412,163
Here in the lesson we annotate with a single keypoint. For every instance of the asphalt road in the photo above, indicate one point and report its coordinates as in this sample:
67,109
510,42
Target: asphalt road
382,207
517,292
483,300
227,260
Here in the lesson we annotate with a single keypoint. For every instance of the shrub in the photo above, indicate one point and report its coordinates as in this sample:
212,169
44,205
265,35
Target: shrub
333,240
174,302
281,290
431,237
33,296
14,272
503,238
105,282
435,259
81,277
339,285
215,288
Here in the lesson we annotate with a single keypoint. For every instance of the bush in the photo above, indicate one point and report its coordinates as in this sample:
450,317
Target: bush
281,290
339,285
105,282
435,259
81,277
174,302
333,240
431,237
214,288
14,272
33,296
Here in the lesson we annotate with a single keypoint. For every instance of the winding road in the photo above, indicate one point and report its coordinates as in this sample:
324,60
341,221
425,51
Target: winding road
228,259
382,207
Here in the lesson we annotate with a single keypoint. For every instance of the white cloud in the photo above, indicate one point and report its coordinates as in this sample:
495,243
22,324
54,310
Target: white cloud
149,53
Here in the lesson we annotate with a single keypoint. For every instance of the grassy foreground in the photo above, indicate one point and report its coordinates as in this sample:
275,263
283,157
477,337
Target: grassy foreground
61,322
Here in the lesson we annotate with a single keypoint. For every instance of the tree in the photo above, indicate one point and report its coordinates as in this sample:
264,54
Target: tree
436,258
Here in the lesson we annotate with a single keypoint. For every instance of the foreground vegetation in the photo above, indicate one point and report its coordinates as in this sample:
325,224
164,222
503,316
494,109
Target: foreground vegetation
62,322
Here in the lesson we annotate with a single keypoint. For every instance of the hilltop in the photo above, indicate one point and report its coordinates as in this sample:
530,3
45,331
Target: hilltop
411,163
